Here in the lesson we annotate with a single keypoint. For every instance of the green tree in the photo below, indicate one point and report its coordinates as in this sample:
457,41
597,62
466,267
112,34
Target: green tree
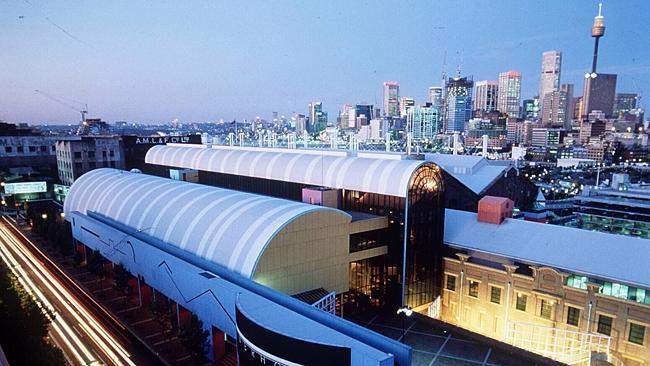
24,326
194,339
162,312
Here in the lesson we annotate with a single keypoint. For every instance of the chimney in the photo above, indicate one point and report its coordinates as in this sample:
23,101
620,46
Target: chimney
494,210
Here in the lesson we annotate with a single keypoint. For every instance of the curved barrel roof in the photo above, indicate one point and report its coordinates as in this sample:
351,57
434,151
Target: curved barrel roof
230,228
326,168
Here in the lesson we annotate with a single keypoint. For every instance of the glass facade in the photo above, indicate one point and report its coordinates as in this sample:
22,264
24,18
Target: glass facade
424,218
613,289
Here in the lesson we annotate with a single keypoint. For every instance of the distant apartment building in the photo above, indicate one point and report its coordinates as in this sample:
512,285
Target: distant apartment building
405,105
391,98
436,96
625,102
78,155
547,137
317,118
21,146
509,97
519,132
591,130
485,95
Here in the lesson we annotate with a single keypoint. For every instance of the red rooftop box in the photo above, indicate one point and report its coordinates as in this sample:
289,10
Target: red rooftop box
494,210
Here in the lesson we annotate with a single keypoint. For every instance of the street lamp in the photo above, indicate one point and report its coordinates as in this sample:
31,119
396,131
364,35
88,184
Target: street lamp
404,311
44,216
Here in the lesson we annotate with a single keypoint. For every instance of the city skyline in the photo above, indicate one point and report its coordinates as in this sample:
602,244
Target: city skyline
207,62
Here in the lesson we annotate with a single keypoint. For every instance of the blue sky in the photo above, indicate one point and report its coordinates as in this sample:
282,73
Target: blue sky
208,60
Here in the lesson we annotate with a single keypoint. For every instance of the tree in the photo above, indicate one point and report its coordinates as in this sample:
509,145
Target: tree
24,326
194,339
162,313
121,281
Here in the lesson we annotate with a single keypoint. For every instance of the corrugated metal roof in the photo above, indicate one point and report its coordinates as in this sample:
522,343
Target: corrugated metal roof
475,172
335,170
601,255
228,227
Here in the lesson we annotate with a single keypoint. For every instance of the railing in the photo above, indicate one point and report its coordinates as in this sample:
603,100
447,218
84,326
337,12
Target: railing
327,303
563,345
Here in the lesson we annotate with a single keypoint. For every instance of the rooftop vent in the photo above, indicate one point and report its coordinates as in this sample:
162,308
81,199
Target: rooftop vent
494,210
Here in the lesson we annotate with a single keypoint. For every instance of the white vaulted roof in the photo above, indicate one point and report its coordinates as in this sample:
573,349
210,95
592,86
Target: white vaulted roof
333,169
230,228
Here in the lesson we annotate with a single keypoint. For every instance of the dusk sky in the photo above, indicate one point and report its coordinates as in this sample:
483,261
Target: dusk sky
202,61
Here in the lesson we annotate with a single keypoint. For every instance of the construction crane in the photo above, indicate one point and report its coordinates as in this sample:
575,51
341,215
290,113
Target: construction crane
83,111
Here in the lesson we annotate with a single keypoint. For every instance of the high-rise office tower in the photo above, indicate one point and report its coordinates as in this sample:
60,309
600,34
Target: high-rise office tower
347,117
625,102
557,109
458,100
405,104
509,96
423,122
391,98
317,118
549,80
600,89
364,110
530,109
569,89
486,95
599,93
436,97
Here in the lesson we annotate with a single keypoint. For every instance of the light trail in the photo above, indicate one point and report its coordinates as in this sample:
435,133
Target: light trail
103,339
59,325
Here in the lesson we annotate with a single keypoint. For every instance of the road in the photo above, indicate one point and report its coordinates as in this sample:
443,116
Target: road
86,332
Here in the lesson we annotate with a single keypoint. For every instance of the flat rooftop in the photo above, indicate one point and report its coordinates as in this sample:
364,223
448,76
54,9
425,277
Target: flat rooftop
436,343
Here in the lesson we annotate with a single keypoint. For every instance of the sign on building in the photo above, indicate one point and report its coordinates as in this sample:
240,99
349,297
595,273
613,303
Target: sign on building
25,187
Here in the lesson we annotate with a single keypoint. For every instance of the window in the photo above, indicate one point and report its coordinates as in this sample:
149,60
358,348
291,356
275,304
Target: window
604,325
573,316
104,154
521,302
495,295
77,154
32,149
112,154
8,149
546,309
20,149
577,282
91,154
637,333
473,288
451,283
